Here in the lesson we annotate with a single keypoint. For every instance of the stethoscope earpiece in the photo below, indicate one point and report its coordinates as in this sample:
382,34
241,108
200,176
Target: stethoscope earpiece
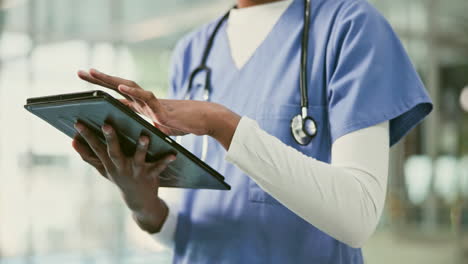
303,129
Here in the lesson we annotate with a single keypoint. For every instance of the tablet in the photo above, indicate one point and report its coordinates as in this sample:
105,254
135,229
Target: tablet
94,108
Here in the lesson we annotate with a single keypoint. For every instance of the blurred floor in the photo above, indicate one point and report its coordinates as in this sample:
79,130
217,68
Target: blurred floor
385,247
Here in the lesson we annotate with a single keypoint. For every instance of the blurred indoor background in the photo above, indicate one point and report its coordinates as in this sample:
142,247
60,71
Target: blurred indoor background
55,209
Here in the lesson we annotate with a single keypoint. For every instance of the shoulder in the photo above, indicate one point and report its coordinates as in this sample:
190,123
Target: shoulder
348,5
359,19
187,54
356,10
195,40
340,11
339,17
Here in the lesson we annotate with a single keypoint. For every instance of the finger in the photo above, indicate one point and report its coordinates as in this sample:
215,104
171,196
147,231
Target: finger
87,77
137,93
134,100
88,156
112,80
126,102
143,95
113,146
158,167
98,148
130,104
165,130
140,153
83,148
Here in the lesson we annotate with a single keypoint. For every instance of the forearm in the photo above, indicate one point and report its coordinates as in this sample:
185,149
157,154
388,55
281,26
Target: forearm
332,199
343,199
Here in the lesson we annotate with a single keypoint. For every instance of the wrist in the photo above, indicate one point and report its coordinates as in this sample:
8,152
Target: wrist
222,124
152,219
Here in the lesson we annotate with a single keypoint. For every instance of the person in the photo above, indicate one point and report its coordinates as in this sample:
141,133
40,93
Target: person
290,202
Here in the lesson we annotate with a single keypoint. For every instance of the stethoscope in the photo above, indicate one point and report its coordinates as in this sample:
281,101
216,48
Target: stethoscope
303,126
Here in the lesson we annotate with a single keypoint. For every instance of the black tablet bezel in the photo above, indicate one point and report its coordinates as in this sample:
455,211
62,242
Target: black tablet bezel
97,94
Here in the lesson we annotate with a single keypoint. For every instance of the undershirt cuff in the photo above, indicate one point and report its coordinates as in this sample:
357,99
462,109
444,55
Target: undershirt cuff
237,148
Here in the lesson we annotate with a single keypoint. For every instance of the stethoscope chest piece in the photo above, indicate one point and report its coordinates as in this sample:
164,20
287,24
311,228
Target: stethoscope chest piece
303,129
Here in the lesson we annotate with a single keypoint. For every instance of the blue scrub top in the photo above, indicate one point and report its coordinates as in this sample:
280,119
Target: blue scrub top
359,76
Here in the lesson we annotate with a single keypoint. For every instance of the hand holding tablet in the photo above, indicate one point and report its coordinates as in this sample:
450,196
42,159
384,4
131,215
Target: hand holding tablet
96,108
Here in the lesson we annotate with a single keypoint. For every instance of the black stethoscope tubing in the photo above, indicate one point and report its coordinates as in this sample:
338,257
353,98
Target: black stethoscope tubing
303,127
203,67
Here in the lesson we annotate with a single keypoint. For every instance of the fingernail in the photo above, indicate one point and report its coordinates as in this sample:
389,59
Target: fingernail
169,160
79,127
107,129
143,141
125,88
92,69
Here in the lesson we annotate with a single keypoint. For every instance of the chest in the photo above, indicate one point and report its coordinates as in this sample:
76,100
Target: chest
266,89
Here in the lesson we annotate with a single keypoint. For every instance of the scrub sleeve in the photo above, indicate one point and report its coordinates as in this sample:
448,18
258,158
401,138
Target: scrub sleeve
371,77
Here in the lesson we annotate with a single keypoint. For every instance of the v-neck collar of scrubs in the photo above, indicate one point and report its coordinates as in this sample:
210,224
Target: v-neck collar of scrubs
248,27
280,27
259,74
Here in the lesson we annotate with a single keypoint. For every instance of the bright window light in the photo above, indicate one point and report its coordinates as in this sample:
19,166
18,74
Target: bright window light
464,99
418,170
446,178
13,45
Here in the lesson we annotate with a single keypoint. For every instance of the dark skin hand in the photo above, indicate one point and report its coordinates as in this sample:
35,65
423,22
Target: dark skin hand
137,180
173,117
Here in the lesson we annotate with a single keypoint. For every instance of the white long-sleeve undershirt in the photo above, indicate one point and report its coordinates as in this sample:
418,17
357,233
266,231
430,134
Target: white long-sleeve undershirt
344,198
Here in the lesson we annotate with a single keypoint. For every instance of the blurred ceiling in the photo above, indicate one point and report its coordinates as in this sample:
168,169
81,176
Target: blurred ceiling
151,22
107,20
